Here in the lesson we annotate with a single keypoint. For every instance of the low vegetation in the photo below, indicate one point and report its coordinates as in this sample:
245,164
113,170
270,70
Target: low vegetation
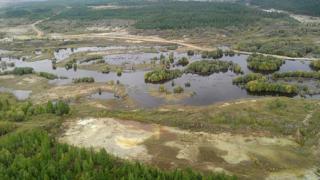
6,127
11,110
162,75
183,61
91,58
21,71
83,80
212,54
236,68
296,74
208,67
48,75
34,154
315,65
247,78
271,88
178,90
263,63
106,70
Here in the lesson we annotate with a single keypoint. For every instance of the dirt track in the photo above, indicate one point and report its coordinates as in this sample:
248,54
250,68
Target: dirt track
129,37
36,29
124,36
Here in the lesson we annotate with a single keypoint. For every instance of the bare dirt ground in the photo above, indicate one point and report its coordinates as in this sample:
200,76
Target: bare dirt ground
36,29
250,156
122,34
74,91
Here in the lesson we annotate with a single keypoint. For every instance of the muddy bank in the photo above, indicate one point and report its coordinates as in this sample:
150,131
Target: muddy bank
246,156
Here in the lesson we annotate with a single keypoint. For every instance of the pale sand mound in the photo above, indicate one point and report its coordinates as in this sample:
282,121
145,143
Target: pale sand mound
266,156
117,137
236,148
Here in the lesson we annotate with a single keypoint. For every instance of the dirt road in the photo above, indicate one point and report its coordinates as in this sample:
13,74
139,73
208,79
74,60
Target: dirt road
36,29
128,37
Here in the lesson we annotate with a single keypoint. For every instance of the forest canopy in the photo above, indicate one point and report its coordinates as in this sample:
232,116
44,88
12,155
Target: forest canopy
160,15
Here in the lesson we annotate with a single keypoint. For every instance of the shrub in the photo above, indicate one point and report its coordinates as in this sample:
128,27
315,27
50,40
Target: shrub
178,90
92,58
267,87
236,68
296,74
48,75
22,71
6,127
315,65
264,63
190,53
84,80
12,110
119,72
229,53
106,70
247,78
183,61
212,54
162,75
162,89
207,67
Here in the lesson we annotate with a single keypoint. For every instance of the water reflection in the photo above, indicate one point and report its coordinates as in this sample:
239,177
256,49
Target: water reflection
207,90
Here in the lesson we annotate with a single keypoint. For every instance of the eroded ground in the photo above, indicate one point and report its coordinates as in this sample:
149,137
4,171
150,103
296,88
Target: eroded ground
244,155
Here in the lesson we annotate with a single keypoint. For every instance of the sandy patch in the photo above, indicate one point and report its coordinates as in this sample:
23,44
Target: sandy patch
307,174
7,77
173,147
118,138
75,91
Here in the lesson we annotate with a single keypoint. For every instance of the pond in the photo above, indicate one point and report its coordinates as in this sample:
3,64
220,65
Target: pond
19,94
102,96
205,89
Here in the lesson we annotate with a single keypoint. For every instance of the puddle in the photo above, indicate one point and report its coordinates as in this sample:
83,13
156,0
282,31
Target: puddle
103,96
19,94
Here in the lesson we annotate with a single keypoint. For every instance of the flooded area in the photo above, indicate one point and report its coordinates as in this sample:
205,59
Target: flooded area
205,90
103,96
19,94
166,147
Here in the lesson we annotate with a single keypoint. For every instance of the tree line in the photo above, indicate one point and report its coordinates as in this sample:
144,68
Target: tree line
11,110
33,154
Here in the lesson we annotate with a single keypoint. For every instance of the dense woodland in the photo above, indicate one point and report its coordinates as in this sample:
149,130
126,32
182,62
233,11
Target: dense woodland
280,46
161,15
35,155
32,154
